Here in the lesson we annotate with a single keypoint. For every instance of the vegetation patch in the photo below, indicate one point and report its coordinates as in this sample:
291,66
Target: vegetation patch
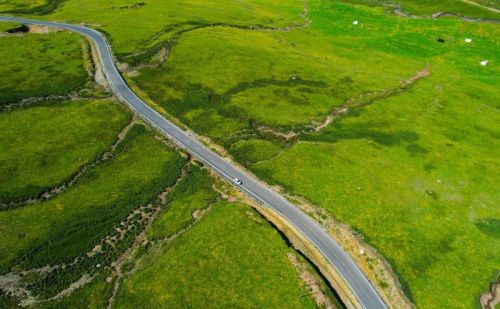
158,15
33,59
39,7
193,193
7,5
57,233
42,145
413,170
225,260
254,150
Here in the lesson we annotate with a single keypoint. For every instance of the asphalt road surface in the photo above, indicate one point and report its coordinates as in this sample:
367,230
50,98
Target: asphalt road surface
310,229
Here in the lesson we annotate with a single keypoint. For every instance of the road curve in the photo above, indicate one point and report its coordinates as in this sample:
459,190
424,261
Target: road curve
360,287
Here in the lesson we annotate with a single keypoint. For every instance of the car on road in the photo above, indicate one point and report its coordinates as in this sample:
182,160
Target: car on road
239,182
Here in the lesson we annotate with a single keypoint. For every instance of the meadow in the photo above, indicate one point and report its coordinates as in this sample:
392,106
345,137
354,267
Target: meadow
411,166
159,19
409,160
60,250
32,60
56,231
194,192
8,5
42,146
231,258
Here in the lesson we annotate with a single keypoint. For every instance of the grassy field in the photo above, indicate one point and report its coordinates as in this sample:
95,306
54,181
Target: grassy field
78,233
462,8
56,231
7,5
414,171
297,78
194,192
232,258
159,19
33,59
42,145
5,26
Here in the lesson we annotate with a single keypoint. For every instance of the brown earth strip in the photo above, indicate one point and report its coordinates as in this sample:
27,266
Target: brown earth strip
491,299
312,283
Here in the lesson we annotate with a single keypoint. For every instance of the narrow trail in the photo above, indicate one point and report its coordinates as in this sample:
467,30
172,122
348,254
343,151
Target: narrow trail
70,181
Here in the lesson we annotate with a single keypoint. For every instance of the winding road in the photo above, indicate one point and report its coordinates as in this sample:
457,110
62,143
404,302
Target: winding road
360,287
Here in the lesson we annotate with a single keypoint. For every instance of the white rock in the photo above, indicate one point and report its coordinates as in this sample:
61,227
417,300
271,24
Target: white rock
484,62
468,40
355,22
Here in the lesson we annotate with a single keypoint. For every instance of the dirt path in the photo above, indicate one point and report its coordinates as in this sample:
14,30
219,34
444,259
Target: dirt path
312,283
491,299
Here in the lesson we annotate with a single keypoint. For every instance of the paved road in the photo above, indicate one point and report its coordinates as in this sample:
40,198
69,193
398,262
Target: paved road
311,230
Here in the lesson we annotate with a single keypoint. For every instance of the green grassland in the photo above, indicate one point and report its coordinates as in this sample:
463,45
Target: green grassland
231,258
429,7
243,78
416,174
194,192
36,65
414,171
42,145
7,5
490,3
4,26
71,224
50,244
160,18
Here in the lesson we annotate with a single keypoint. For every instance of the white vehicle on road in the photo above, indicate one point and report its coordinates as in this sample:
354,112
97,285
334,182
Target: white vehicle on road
239,182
